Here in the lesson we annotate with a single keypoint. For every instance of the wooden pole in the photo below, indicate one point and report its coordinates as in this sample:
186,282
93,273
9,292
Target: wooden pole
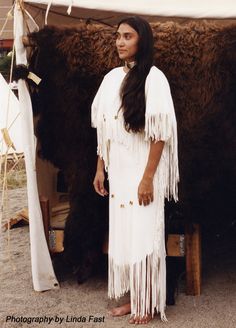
193,259
44,203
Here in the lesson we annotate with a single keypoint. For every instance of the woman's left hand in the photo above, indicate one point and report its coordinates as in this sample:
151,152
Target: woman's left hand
145,191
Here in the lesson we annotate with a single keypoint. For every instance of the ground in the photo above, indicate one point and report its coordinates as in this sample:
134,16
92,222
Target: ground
214,308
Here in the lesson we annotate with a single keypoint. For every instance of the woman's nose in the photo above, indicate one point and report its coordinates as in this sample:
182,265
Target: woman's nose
120,42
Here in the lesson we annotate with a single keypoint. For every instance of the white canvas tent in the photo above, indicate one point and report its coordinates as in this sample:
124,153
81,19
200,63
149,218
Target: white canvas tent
162,8
42,270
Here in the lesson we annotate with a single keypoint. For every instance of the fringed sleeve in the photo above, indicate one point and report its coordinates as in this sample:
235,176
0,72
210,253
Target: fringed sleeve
160,115
96,106
97,122
160,124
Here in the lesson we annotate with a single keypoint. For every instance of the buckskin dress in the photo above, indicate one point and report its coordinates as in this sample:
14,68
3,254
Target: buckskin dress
136,233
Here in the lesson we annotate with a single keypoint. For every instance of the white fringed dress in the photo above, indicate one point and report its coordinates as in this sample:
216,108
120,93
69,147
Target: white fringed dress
136,233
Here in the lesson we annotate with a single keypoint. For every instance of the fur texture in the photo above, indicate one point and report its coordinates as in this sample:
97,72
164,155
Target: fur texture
199,60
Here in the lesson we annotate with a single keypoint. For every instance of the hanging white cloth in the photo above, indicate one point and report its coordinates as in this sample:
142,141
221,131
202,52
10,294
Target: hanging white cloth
42,270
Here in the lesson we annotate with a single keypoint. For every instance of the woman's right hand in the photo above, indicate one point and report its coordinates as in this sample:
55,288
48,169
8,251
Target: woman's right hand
98,183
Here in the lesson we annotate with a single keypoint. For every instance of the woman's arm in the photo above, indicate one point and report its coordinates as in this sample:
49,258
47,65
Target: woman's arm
145,189
98,181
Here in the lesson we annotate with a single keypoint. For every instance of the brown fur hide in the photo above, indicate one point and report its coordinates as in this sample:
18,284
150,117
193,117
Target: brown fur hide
199,60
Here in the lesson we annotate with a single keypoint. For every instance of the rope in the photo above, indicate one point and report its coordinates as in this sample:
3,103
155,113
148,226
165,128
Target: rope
47,11
17,161
26,16
70,7
99,20
4,201
9,16
4,187
1,140
9,90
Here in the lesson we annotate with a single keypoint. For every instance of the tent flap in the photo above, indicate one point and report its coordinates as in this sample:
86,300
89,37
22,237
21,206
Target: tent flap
169,8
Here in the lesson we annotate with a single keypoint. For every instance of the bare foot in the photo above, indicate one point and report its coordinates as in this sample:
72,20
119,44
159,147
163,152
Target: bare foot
140,320
121,310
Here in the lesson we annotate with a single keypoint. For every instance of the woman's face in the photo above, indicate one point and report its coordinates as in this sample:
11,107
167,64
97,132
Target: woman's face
126,42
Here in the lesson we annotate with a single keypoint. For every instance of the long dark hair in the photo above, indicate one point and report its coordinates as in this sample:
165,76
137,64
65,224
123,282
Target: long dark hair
132,91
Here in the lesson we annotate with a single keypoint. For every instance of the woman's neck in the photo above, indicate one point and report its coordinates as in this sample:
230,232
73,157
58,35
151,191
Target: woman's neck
130,64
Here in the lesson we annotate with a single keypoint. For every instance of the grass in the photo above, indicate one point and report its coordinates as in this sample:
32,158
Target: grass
5,66
16,175
16,179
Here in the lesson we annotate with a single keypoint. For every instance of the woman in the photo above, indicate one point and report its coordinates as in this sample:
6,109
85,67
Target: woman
137,144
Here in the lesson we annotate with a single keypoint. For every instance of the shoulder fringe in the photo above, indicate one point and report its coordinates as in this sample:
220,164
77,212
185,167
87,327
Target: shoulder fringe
161,126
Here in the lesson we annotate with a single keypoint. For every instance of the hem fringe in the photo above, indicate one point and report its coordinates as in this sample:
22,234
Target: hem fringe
146,282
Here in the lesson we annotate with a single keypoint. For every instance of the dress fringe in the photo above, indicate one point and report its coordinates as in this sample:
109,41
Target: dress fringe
146,282
145,275
161,126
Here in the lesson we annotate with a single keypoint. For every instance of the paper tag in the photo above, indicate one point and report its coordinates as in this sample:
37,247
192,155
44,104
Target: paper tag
34,78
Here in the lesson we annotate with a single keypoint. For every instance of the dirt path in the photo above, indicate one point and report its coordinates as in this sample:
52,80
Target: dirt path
19,302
